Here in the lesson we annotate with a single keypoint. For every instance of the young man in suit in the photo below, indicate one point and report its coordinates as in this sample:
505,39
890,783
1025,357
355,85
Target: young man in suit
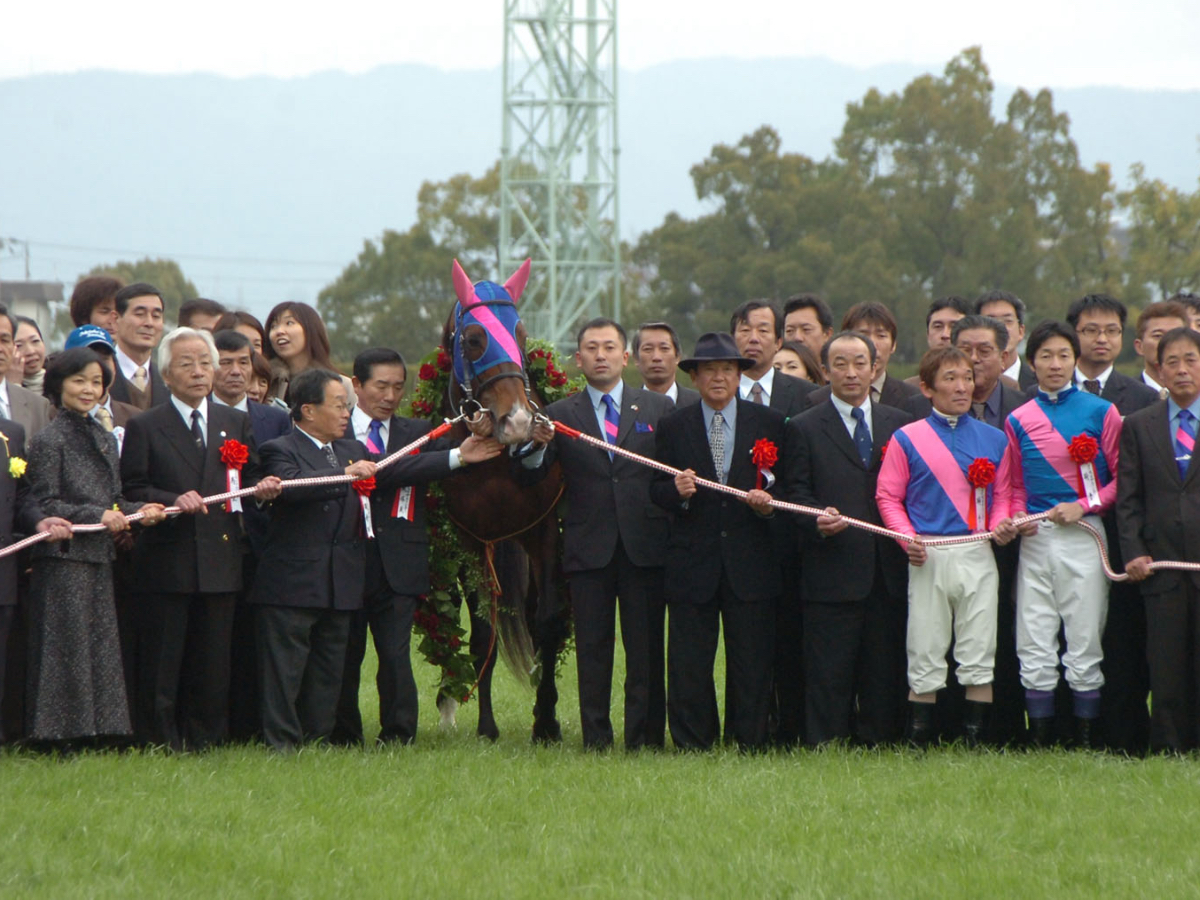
1099,322
311,574
138,330
720,565
808,319
1154,322
757,329
189,570
656,354
1009,309
230,380
1158,516
854,582
876,321
924,488
613,538
398,558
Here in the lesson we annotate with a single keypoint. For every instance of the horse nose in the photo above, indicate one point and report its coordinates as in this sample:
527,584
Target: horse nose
515,426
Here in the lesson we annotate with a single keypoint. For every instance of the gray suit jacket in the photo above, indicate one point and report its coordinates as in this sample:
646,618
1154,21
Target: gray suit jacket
29,410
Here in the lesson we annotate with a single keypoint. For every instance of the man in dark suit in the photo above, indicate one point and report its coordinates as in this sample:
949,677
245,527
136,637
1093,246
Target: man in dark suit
1099,321
876,321
720,566
808,319
230,380
854,583
398,558
19,514
613,538
1010,309
139,328
189,570
1154,322
656,354
311,574
757,328
1158,517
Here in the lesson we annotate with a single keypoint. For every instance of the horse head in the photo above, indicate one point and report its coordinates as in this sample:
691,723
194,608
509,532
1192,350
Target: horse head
487,346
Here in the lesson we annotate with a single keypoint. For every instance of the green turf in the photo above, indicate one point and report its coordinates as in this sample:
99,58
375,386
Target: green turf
453,816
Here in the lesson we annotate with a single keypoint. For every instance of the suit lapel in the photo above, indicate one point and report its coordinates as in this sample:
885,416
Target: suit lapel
701,450
781,396
835,429
585,415
629,412
1160,436
181,436
743,437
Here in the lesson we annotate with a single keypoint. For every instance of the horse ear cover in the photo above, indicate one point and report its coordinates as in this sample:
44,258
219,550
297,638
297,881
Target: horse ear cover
517,280
462,284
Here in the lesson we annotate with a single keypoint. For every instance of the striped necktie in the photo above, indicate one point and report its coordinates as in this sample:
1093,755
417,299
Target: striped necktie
375,438
612,421
1185,441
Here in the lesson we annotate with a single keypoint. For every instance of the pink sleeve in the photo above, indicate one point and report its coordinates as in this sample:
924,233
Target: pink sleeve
1016,474
1110,444
892,488
1002,491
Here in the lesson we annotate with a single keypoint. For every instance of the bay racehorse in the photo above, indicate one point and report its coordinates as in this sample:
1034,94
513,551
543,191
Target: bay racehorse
495,515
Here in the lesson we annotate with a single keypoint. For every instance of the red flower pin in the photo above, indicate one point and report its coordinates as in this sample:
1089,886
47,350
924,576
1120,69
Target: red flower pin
364,486
1083,449
234,454
981,472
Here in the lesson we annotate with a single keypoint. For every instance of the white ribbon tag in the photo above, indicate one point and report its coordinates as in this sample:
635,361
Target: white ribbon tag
981,508
233,482
403,507
366,508
1087,474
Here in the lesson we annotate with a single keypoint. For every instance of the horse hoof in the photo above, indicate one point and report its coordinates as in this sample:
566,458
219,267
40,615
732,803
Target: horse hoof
447,706
547,732
491,733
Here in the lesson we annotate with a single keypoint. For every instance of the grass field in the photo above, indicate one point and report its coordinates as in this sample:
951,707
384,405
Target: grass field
453,816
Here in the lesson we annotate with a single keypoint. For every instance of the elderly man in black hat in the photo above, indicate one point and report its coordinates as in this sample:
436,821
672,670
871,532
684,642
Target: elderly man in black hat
719,562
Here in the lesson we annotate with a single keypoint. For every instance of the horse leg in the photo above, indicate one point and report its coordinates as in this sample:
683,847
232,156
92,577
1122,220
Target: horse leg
550,626
482,643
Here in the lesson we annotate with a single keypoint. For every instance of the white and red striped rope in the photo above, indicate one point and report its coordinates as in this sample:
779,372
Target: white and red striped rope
434,434
783,505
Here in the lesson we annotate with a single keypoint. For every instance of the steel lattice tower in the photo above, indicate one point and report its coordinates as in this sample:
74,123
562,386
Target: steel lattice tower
558,166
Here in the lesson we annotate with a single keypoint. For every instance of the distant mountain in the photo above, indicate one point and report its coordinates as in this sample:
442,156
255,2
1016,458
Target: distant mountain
265,188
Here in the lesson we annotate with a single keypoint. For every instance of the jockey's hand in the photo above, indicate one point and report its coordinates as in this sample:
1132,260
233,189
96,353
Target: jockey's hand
543,433
476,449
1006,531
1139,569
685,483
1067,513
917,553
1028,529
831,522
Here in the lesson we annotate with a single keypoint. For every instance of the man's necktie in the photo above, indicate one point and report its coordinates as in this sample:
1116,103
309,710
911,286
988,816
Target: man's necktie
375,438
756,393
978,411
1185,441
331,456
197,431
139,378
104,417
1092,385
862,436
716,442
612,420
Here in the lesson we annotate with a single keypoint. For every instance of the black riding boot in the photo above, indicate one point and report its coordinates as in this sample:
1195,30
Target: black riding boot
920,731
975,721
1041,731
1087,734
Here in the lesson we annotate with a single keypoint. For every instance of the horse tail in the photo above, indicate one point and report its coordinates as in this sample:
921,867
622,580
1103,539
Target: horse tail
511,620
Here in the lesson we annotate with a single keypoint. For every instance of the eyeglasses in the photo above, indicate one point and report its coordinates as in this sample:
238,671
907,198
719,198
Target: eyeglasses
1094,331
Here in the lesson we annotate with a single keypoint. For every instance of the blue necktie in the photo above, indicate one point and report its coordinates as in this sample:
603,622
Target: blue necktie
862,437
612,421
375,438
1185,441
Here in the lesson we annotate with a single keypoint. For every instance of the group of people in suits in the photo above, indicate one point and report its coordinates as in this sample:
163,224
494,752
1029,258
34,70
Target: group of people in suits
250,620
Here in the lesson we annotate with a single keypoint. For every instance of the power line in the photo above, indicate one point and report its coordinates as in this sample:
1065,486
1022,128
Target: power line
196,256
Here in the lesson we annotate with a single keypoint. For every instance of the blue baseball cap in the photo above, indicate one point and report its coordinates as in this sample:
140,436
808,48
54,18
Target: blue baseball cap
90,336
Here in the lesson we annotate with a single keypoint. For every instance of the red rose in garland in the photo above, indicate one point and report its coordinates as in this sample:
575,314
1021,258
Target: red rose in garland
427,372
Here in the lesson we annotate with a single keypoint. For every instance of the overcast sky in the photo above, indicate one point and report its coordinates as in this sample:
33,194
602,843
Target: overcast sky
1151,43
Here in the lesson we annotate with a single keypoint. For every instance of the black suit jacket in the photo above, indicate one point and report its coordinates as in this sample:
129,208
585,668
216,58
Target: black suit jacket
714,532
403,546
314,554
608,499
187,554
1027,379
823,469
896,393
789,394
158,388
1158,513
19,511
267,423
686,396
1127,394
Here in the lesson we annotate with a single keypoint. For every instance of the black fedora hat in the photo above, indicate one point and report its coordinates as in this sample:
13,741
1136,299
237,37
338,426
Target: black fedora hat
714,346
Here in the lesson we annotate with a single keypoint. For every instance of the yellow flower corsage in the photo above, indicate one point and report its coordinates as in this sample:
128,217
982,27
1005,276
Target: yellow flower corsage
16,466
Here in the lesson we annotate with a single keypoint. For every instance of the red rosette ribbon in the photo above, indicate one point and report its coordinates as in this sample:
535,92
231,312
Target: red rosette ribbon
363,488
764,455
980,474
1083,450
234,454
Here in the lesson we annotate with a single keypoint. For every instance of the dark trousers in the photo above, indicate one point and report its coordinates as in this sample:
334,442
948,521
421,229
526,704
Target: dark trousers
389,616
7,615
129,630
855,683
302,654
1123,699
1173,651
596,596
245,712
184,653
691,652
788,676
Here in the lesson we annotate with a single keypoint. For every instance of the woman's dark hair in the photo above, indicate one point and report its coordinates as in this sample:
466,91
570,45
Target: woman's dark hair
812,366
309,387
262,368
25,320
316,338
90,293
230,320
67,363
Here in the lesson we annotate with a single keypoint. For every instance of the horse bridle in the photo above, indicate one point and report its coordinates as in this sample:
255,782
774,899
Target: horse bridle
465,386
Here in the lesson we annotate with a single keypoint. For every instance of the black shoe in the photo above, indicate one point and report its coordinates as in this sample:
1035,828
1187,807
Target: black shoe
1041,731
920,731
1087,734
975,721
